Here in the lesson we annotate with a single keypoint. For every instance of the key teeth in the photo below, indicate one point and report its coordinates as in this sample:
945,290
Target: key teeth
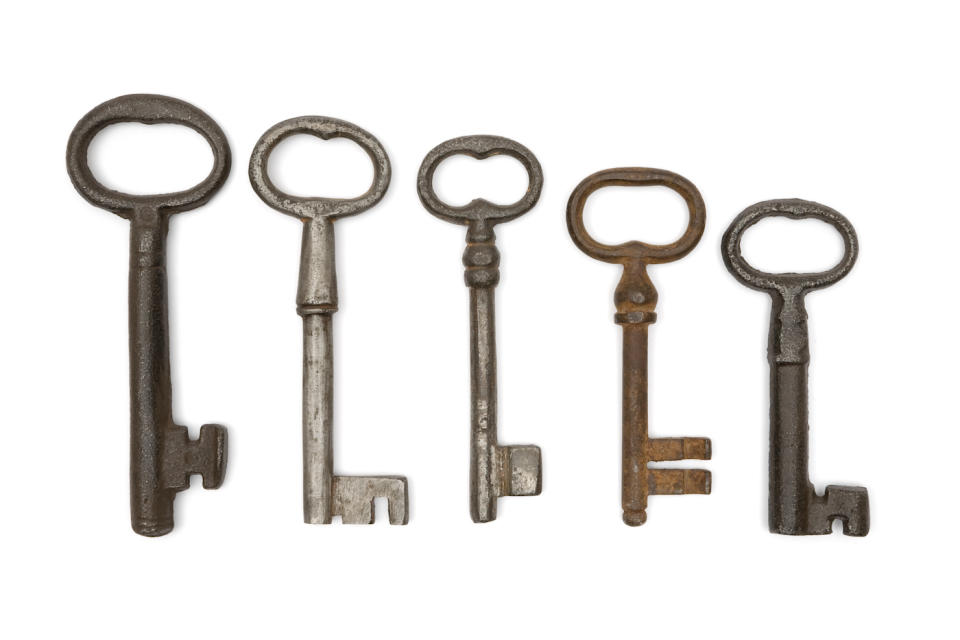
677,482
353,498
206,456
521,470
672,449
212,449
851,505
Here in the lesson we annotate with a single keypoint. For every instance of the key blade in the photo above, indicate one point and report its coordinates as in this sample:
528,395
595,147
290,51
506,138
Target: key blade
353,498
520,472
678,481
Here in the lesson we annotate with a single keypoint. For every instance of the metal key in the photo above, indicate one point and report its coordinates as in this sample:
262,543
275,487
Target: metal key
636,299
794,507
495,470
162,456
324,494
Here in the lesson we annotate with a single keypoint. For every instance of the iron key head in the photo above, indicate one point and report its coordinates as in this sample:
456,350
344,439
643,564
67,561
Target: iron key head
788,337
635,250
313,208
787,284
145,109
636,297
479,214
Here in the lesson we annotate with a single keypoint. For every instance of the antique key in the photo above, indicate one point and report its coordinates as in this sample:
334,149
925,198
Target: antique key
495,470
162,456
324,494
636,299
794,507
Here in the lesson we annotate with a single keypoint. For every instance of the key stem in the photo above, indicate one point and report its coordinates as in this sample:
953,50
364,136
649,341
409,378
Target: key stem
635,425
482,259
316,303
788,352
151,408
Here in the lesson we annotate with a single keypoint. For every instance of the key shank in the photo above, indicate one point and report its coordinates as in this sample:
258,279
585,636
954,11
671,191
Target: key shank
495,470
794,506
316,304
636,299
162,456
324,494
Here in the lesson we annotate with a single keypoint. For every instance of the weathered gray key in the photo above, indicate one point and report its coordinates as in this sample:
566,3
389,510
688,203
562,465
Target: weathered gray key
324,494
794,506
495,470
162,456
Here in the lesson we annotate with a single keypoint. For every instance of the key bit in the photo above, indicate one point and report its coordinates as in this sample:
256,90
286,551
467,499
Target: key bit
326,495
162,456
636,299
495,470
794,506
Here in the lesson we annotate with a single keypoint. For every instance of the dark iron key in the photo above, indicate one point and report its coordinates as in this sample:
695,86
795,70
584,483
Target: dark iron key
495,470
794,506
162,456
636,299
325,494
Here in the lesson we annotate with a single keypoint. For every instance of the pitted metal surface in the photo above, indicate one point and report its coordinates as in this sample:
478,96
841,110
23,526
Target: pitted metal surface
495,470
794,506
326,495
162,457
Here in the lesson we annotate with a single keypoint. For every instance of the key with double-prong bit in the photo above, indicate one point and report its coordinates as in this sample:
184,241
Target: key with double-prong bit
636,299
495,470
162,456
324,494
794,507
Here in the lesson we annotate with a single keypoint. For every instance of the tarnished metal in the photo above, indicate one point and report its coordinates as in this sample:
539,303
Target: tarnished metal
794,506
324,494
636,299
495,470
162,456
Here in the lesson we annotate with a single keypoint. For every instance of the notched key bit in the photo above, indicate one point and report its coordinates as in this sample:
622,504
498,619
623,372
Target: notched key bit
636,299
495,470
162,457
326,495
794,506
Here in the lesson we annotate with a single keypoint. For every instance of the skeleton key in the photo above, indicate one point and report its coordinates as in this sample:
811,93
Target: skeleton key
495,470
636,299
324,494
794,507
162,456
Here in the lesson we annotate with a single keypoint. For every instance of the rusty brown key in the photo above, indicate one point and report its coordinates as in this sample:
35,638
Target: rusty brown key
636,299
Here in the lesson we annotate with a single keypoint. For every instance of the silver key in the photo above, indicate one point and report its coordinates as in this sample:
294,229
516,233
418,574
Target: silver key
324,494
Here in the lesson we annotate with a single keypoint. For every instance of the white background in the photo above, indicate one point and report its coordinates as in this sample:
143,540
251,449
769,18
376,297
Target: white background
850,104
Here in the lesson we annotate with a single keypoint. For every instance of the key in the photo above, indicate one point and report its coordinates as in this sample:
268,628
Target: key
162,456
636,299
495,470
794,506
325,494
